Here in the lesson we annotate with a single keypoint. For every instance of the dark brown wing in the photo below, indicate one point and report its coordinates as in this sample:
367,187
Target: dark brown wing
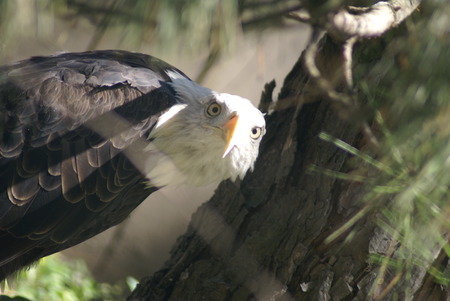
64,176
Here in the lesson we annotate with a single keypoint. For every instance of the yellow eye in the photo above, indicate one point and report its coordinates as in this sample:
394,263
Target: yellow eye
256,132
214,109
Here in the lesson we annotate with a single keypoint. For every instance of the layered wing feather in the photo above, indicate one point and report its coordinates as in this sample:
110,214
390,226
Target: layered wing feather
65,122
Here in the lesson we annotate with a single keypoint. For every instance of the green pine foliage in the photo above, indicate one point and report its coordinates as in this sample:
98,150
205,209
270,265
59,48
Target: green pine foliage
403,85
57,279
403,79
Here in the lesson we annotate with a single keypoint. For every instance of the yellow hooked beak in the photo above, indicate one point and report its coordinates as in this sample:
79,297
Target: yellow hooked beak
229,128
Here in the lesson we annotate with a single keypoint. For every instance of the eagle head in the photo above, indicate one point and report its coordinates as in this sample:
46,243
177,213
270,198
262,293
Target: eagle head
206,137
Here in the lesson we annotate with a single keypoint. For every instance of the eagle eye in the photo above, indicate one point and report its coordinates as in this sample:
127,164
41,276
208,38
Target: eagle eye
256,132
213,109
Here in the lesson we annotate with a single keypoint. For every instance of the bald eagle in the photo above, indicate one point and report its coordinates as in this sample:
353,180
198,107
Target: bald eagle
86,137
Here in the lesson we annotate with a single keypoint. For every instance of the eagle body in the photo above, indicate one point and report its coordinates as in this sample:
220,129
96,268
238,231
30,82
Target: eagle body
86,137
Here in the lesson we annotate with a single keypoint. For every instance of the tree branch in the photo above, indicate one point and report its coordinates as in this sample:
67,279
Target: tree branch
323,83
372,21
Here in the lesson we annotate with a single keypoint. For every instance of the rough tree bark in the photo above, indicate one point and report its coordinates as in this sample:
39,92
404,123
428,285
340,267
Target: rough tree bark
265,238
255,237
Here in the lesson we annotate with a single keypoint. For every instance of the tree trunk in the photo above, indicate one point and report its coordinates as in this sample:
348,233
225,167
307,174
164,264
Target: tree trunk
265,238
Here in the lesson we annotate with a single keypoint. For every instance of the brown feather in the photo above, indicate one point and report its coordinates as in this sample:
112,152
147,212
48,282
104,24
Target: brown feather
63,174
